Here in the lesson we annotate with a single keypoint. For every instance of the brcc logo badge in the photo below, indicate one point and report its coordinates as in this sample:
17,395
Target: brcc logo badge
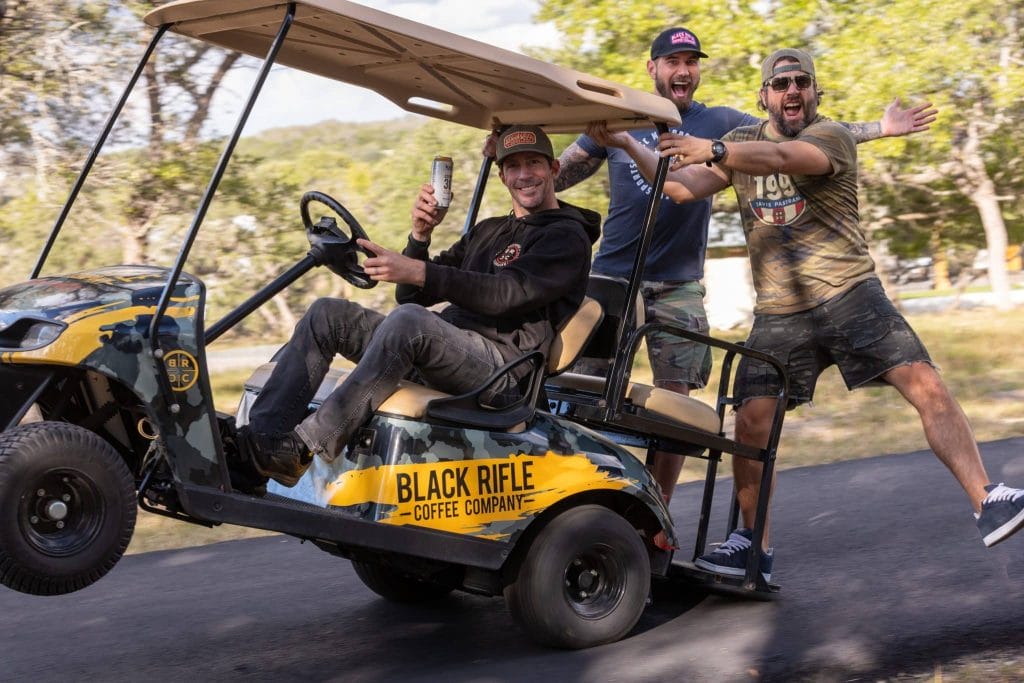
182,369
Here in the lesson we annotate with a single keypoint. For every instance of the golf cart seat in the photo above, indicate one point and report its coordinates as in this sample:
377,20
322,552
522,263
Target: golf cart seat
680,409
412,400
642,400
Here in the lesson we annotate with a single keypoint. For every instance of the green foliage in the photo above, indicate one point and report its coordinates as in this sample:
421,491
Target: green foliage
967,58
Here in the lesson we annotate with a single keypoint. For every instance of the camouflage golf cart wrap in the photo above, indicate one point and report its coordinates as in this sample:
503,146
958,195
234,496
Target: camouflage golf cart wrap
93,327
108,407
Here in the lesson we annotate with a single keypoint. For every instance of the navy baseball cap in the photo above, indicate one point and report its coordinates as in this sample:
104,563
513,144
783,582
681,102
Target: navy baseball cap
675,40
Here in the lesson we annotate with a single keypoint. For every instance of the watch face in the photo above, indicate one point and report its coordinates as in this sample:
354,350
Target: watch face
717,150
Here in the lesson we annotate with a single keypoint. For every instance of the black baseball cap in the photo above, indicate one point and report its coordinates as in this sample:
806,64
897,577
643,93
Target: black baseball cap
675,40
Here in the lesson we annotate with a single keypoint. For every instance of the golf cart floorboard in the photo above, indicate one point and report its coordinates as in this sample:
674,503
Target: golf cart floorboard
304,520
690,573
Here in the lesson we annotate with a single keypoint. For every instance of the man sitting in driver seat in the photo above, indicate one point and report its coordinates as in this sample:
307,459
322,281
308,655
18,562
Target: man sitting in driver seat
511,281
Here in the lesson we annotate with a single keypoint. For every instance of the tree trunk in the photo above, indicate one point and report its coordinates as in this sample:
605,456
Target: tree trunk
984,199
976,184
133,244
285,320
940,261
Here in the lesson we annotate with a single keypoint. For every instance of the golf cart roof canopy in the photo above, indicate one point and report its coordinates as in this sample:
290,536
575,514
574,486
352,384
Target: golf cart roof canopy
420,68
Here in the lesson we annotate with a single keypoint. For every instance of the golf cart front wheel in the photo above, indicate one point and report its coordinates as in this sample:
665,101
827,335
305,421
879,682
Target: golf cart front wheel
67,508
584,581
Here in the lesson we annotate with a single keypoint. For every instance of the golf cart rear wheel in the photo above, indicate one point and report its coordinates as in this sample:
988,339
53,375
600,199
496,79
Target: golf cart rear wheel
584,580
67,508
391,584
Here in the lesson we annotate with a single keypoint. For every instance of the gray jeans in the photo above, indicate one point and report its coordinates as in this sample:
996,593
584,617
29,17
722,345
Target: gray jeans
386,350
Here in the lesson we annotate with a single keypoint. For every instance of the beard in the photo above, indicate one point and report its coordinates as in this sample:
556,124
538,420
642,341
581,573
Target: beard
788,127
664,88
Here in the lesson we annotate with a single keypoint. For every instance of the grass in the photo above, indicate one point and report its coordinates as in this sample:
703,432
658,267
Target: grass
950,291
984,667
977,351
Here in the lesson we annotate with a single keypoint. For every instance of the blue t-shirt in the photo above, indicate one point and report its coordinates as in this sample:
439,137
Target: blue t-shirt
680,236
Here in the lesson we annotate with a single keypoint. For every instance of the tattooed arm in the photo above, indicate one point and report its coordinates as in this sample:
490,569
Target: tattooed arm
576,166
895,121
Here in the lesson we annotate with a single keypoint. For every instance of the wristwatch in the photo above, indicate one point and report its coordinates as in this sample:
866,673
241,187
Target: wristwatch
718,150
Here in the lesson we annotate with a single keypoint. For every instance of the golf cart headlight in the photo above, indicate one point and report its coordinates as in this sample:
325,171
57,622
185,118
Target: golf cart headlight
41,334
29,333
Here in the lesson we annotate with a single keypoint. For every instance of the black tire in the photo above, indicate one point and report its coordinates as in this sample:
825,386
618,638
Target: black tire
67,508
584,580
391,584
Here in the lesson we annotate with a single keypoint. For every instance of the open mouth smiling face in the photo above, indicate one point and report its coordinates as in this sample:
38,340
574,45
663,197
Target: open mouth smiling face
793,108
677,78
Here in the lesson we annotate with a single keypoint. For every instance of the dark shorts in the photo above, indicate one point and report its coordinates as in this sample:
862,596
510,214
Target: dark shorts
860,331
672,358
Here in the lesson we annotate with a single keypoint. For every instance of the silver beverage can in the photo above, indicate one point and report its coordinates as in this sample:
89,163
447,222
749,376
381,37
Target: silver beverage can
441,179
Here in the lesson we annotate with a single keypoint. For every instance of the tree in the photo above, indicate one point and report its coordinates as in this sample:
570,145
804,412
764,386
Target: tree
57,63
47,70
966,57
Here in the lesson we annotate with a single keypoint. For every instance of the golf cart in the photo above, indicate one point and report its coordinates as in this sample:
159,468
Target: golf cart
108,403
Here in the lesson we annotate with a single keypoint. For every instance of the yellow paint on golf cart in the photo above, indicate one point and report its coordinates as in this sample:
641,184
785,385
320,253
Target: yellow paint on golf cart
465,496
87,330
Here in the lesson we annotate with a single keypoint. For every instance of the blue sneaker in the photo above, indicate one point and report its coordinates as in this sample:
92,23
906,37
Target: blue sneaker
730,558
1002,513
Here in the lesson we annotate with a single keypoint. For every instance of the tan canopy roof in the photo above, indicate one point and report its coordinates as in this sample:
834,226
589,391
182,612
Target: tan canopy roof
418,67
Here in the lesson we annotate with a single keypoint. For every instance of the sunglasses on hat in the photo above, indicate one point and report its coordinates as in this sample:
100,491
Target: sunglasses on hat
781,83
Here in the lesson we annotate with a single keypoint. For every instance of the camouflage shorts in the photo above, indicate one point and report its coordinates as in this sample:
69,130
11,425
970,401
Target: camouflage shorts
672,359
859,331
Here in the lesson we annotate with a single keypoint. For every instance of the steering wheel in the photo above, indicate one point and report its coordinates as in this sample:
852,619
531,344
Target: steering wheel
330,245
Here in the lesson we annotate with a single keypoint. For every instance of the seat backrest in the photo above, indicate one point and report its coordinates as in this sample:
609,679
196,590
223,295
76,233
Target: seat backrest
610,292
574,335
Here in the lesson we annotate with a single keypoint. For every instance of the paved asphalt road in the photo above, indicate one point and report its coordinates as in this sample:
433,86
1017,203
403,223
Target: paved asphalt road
881,567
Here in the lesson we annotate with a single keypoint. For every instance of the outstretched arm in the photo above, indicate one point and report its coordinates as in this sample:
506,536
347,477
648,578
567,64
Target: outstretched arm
895,121
682,185
755,157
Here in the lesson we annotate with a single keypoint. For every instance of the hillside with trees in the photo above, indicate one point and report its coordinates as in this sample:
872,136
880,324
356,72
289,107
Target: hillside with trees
944,194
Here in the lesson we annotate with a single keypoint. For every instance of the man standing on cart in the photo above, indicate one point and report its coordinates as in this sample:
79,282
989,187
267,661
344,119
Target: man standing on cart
671,286
819,302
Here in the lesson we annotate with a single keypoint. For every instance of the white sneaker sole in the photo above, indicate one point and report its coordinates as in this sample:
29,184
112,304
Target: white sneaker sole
1005,531
725,571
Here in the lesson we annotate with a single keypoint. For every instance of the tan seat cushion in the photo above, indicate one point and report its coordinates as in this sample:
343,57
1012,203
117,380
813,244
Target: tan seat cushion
576,332
409,400
676,407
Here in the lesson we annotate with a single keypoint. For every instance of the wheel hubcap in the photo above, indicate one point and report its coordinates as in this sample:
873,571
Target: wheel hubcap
61,512
594,582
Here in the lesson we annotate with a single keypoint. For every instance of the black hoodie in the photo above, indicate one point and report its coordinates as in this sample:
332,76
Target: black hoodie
513,280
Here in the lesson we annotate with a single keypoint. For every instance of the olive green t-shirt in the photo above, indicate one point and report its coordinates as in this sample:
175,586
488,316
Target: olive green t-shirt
803,233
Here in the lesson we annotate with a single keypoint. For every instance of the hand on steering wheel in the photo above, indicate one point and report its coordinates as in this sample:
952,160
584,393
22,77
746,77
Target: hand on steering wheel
331,246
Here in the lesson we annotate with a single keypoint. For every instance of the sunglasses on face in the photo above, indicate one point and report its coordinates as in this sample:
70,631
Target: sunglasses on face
781,83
